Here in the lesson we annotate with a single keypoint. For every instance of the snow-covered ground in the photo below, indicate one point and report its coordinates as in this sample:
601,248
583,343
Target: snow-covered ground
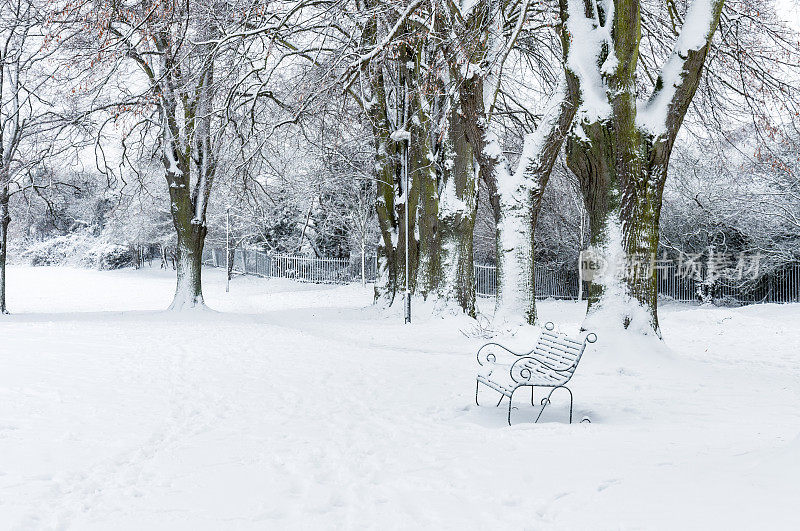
303,406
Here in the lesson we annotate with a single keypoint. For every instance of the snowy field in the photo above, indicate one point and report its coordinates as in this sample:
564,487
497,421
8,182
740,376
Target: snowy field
301,406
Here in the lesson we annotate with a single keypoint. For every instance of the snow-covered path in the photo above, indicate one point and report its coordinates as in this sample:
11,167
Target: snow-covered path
302,406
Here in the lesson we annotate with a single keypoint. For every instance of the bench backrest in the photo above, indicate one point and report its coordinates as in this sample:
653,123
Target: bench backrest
551,362
559,349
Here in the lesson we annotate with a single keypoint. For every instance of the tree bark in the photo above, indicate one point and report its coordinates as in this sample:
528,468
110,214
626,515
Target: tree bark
392,153
186,150
5,219
386,179
620,157
516,195
409,122
189,290
521,207
189,251
189,227
458,205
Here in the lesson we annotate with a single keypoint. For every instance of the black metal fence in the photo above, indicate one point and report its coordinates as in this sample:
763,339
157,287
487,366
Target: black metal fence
302,268
551,281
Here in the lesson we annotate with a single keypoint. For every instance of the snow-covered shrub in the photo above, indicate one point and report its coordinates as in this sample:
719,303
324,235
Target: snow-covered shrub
106,255
78,249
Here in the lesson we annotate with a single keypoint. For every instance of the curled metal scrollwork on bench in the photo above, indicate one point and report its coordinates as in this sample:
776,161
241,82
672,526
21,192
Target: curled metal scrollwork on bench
522,371
487,354
550,364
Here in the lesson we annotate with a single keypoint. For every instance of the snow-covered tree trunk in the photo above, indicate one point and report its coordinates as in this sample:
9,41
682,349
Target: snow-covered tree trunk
516,282
387,280
458,205
189,227
620,150
412,124
515,194
186,100
5,219
397,155
377,112
519,195
188,204
387,198
427,223
189,251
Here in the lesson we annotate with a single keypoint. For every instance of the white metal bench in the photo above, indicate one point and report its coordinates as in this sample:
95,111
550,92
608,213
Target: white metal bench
550,364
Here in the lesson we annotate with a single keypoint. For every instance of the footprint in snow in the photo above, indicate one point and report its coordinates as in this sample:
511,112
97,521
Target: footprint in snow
608,483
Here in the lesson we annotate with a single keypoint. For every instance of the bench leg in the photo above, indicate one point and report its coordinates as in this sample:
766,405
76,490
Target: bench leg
570,402
477,386
500,401
546,402
533,395
510,403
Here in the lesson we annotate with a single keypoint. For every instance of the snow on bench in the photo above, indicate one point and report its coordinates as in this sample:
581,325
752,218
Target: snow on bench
550,364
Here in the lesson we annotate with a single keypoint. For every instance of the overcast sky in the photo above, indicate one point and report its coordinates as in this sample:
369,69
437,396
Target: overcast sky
790,10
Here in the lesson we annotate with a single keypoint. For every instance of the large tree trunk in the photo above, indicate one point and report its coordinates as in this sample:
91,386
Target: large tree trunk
189,201
189,225
377,113
408,124
516,282
398,153
5,219
425,178
387,275
429,179
189,252
620,148
517,197
458,205
392,200
386,177
623,199
189,288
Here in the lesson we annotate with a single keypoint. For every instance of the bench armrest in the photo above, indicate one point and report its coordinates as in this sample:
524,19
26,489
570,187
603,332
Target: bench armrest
487,354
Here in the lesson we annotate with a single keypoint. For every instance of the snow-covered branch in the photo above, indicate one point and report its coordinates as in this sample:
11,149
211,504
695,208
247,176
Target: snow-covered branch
663,113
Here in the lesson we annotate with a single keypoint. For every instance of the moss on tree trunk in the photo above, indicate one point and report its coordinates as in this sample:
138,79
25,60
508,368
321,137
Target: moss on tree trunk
620,163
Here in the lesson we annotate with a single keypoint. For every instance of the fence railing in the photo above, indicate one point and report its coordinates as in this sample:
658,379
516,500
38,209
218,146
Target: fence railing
302,268
550,282
778,286
485,280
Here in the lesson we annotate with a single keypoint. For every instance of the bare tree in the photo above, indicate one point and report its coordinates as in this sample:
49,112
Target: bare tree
515,189
176,102
32,124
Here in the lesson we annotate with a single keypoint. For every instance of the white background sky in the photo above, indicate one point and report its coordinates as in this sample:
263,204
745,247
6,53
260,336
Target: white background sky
790,11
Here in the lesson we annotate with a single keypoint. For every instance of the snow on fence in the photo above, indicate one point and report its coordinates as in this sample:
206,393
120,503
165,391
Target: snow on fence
550,282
